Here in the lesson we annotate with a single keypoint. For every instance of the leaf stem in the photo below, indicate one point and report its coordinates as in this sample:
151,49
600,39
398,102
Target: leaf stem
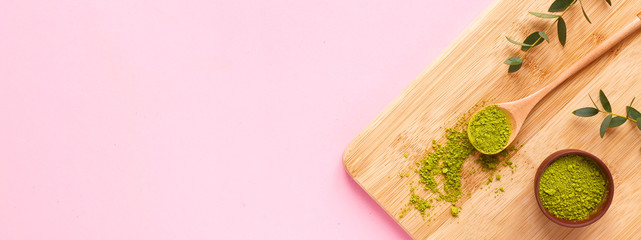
595,106
614,114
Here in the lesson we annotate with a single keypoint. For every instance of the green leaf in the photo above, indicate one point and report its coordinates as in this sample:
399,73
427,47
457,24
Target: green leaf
518,43
632,113
544,15
604,102
584,14
586,112
544,36
639,123
627,113
560,5
609,2
605,124
562,31
514,61
514,68
532,40
617,121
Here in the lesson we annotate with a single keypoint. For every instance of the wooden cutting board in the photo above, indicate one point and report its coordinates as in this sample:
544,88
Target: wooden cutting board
469,71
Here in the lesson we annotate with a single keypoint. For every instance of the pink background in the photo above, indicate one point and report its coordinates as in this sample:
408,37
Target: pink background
152,119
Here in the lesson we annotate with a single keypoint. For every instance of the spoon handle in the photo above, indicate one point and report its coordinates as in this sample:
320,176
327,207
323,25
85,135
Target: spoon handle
587,59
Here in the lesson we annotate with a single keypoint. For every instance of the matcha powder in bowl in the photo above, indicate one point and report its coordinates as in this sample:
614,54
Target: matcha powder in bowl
489,130
573,188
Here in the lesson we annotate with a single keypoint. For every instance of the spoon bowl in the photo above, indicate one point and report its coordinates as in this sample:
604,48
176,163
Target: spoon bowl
514,124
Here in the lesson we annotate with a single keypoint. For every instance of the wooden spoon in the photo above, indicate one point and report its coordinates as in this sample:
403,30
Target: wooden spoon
518,110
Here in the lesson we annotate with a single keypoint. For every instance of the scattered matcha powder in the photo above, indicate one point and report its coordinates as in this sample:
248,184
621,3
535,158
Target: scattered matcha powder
498,191
498,177
417,202
447,160
454,211
490,162
572,187
403,211
489,130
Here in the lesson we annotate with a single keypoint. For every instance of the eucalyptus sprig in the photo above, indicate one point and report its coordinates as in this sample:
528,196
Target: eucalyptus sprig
612,120
537,37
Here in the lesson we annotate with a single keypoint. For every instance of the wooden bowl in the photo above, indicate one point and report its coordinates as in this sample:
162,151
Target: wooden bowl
601,208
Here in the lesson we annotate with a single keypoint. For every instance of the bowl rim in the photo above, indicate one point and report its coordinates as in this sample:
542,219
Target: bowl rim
601,208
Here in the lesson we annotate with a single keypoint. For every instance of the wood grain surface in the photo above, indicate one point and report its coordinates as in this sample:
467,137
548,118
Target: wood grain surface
470,71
